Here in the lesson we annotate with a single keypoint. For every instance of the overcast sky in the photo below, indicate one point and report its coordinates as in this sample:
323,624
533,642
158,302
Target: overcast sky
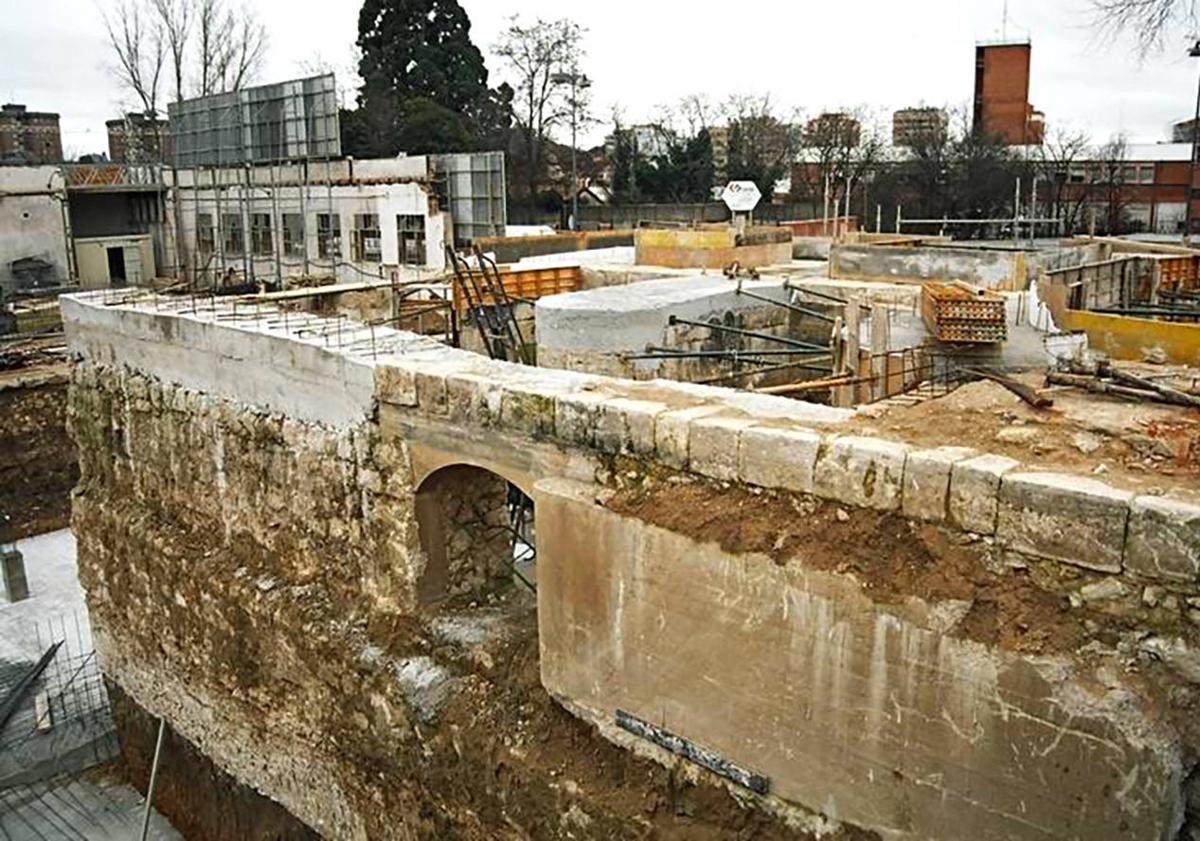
879,54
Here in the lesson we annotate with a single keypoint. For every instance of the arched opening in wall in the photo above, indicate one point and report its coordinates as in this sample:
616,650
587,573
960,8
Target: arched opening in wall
477,535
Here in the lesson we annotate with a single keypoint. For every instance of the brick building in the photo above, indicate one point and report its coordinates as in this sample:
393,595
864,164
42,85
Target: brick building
29,137
911,125
1002,94
137,138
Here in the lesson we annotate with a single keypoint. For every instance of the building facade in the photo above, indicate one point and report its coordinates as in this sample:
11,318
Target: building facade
911,126
29,137
137,138
1001,106
349,220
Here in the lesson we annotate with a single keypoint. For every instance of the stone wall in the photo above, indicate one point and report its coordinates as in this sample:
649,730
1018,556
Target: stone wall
37,456
250,539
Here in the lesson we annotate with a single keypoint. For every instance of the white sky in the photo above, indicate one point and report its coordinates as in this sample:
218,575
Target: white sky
880,54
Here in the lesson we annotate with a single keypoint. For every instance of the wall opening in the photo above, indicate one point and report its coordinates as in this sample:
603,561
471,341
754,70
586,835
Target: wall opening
477,535
116,265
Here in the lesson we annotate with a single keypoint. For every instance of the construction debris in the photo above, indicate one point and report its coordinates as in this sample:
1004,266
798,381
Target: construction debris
1106,378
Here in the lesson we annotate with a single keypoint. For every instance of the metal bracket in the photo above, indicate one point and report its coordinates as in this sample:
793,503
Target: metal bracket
692,752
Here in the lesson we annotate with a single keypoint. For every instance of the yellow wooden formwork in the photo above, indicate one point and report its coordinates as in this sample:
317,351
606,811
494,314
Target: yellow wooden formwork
527,284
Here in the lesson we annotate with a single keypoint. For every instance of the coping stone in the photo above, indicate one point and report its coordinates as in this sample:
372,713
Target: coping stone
1164,538
975,491
1065,518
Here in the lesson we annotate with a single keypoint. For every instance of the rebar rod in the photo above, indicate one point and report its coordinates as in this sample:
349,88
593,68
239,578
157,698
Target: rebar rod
737,331
787,306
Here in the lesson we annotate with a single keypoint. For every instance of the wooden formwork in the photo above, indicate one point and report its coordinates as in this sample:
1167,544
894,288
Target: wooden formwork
527,284
1178,274
957,312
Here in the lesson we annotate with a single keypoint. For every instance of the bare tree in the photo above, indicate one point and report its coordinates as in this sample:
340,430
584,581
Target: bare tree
1107,181
139,50
1148,21
175,19
535,55
207,46
1059,164
230,46
836,149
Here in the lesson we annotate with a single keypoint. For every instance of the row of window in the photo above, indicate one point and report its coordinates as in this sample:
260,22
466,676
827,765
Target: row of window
1084,173
366,242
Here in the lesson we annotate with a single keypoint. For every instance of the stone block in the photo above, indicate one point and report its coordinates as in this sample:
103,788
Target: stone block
526,409
862,471
1164,539
396,385
431,392
1066,518
776,457
473,398
576,415
974,491
672,431
926,490
627,426
713,446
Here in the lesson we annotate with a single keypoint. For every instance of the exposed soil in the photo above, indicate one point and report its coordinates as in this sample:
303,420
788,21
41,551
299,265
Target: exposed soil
1140,446
501,760
200,800
890,556
38,464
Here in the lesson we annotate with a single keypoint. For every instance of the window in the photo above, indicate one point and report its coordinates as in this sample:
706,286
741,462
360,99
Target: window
206,241
1128,174
293,234
260,234
366,243
329,235
233,235
410,231
1146,174
1077,174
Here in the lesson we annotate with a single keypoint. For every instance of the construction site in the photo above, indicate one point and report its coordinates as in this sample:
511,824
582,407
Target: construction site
727,529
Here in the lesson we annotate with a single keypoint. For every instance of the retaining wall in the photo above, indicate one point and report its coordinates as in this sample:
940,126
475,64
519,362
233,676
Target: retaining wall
230,456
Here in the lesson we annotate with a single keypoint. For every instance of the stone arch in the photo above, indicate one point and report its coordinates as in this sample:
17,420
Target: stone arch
475,529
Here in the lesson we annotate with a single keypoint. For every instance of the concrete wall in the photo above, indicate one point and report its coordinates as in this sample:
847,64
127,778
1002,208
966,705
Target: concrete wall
712,248
592,330
92,261
876,704
257,450
989,268
31,220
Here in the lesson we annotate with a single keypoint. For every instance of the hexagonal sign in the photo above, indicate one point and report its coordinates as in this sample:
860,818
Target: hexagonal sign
741,196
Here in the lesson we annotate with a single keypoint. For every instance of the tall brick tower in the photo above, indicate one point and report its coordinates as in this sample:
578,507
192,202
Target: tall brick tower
1002,93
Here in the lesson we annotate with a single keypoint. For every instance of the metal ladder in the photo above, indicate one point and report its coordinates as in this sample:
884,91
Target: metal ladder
489,307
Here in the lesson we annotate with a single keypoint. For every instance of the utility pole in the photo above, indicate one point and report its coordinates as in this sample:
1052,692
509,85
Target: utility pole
577,82
1194,52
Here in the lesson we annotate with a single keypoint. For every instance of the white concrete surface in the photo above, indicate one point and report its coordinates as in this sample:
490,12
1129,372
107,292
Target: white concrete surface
54,596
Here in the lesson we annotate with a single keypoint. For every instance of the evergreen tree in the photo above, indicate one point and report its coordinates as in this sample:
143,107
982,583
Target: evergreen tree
418,62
